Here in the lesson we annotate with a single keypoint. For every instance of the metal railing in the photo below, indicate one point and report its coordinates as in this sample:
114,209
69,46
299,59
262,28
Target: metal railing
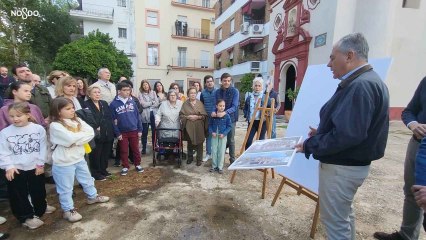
198,3
93,10
192,32
191,63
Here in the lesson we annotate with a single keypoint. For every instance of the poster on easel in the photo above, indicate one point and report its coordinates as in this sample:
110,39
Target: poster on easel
268,153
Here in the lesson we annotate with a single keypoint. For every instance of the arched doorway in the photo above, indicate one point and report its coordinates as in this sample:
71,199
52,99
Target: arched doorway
290,83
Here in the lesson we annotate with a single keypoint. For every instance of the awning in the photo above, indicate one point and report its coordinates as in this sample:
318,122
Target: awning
246,8
230,49
251,40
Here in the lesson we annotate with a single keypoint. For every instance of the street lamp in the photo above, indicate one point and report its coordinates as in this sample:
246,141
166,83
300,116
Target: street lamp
169,67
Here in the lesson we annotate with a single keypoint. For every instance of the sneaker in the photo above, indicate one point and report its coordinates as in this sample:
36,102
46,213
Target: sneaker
212,170
2,220
220,171
4,236
387,236
206,158
139,169
72,216
50,209
107,174
98,199
33,223
124,171
227,151
117,164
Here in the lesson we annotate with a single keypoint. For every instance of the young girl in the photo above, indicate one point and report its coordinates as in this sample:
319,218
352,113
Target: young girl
68,134
20,92
219,128
22,155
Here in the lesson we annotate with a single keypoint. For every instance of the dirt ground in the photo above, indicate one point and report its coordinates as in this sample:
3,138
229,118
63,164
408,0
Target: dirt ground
190,203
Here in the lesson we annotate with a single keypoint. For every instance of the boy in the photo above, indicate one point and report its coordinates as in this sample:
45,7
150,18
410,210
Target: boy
127,126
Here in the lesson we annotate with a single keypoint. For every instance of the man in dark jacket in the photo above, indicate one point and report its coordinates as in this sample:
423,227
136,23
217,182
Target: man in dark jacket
352,132
231,95
5,80
414,117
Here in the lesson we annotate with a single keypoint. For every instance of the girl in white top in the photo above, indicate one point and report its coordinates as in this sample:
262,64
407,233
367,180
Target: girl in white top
22,155
68,134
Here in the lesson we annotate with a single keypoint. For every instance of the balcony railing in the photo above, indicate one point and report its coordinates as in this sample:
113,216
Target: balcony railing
191,63
192,33
94,12
196,3
250,57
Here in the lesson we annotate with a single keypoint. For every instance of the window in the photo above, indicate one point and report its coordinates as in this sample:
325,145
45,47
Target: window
182,56
180,83
122,32
231,57
204,62
152,82
182,1
206,3
152,18
220,34
232,25
152,54
121,3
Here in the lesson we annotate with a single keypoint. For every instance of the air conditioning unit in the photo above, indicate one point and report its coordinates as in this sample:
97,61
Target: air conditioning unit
244,28
257,28
212,20
255,66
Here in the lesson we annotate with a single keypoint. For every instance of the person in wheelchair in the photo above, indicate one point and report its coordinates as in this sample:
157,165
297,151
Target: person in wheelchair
168,117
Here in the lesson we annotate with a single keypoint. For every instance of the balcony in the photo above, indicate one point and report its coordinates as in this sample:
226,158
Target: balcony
192,34
94,13
207,5
238,70
194,64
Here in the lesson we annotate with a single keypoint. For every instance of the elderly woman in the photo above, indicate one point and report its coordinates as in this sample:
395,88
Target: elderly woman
105,133
168,116
249,107
193,117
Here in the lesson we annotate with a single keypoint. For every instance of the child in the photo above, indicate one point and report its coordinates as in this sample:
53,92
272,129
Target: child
22,155
127,126
68,134
219,128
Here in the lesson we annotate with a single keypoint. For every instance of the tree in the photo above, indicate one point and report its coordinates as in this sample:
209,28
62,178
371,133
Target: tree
247,82
86,55
36,37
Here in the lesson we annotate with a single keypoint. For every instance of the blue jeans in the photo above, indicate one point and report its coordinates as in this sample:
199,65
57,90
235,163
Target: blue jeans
209,144
64,179
420,168
145,131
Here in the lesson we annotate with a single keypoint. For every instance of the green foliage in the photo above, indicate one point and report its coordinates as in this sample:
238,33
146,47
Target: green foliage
86,55
247,83
35,39
292,94
229,64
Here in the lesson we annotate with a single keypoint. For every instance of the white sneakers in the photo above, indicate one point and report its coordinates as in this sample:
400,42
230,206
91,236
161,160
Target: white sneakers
50,209
33,223
98,199
72,216
2,220
207,157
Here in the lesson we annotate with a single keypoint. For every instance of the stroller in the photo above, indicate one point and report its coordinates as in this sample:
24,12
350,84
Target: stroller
167,145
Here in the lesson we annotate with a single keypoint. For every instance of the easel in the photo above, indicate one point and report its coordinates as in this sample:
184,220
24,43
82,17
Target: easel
268,115
300,190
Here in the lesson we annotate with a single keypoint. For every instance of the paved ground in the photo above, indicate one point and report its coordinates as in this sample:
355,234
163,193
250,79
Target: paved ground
191,203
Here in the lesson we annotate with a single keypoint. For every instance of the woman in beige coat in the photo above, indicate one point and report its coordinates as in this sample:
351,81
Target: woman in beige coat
193,117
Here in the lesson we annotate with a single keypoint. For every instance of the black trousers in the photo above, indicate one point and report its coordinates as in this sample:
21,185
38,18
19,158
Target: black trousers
27,183
198,148
424,221
99,158
253,132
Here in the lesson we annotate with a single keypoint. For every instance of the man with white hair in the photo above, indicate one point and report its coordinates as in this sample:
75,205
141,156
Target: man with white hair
352,132
36,80
107,88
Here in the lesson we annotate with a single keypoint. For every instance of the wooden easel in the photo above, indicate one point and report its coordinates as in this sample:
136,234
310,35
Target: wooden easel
266,114
300,190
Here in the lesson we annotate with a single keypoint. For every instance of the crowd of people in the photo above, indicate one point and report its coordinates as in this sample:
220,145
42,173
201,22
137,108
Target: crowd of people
70,121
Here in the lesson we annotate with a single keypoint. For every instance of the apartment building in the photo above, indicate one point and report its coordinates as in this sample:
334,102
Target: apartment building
175,41
241,42
115,17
